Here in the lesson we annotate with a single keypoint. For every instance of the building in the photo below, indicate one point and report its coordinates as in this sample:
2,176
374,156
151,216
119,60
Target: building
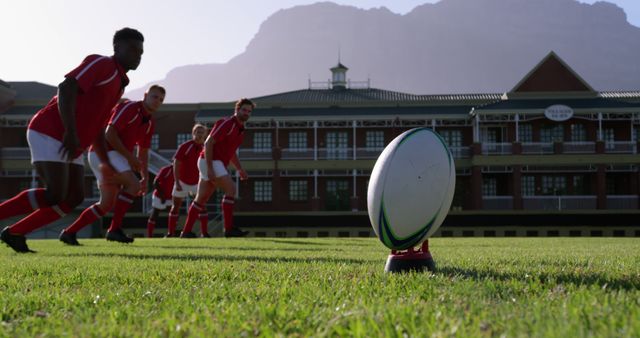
552,156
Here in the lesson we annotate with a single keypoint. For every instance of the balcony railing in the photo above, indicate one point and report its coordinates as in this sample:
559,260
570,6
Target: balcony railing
368,153
565,202
537,148
496,148
460,152
622,202
620,147
335,153
255,154
297,153
497,202
15,153
579,148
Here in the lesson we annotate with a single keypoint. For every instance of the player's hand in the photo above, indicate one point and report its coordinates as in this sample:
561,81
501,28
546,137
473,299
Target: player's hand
143,187
243,174
135,164
178,186
70,145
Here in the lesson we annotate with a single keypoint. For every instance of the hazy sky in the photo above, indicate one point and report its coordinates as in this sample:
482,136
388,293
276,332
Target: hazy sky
43,39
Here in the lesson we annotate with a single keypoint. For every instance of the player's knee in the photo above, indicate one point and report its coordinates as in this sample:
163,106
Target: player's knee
54,196
133,187
106,206
74,199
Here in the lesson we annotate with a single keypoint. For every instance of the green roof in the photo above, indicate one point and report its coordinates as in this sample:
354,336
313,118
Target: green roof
513,105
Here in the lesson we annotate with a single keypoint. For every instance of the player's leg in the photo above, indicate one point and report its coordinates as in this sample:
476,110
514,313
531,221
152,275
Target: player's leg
124,200
174,213
227,185
198,206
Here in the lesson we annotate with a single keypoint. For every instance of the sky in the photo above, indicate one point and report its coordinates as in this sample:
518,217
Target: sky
44,39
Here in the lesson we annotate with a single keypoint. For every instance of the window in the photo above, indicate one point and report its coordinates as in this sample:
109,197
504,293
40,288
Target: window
578,133
262,191
552,133
489,186
528,185
182,138
609,138
337,145
298,190
298,140
262,142
580,185
374,139
525,133
155,142
636,133
554,185
611,185
453,138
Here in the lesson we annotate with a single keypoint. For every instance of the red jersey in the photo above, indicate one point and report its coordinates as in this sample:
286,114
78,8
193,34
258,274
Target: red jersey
101,81
134,124
228,134
164,180
187,154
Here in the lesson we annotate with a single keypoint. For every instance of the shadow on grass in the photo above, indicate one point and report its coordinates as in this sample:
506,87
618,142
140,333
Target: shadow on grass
586,279
219,258
343,241
234,248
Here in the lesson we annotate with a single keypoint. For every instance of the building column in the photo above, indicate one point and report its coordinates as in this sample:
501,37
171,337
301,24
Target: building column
354,197
476,188
315,200
516,181
601,187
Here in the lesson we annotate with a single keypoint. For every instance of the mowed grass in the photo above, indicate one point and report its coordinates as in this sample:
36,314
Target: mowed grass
560,287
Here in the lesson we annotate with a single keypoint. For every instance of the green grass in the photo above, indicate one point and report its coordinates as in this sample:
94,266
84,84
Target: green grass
563,287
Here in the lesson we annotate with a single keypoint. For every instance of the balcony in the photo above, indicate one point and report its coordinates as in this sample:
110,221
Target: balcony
460,152
578,148
497,202
622,202
297,153
9,153
620,147
503,148
537,148
255,154
564,202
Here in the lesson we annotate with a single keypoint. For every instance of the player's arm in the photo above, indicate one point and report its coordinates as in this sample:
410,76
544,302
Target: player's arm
176,174
143,156
116,143
208,156
236,163
67,94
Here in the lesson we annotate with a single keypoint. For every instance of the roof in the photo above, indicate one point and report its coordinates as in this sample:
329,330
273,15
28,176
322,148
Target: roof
460,111
552,74
31,90
22,110
331,97
339,66
514,105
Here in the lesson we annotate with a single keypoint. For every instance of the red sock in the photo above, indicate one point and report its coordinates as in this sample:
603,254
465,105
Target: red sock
122,205
25,202
88,216
227,212
171,223
192,216
39,218
204,220
151,224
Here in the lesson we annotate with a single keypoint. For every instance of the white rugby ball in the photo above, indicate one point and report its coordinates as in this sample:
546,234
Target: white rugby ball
411,188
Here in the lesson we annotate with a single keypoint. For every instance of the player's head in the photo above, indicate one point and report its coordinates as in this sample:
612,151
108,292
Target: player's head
154,97
128,47
199,133
243,109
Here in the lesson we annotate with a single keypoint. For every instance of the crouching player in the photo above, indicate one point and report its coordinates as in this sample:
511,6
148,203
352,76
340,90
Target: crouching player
161,199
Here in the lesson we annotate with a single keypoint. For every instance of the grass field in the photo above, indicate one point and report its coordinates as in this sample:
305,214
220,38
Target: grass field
562,287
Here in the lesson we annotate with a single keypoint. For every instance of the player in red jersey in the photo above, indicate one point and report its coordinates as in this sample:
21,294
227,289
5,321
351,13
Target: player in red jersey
161,199
131,124
220,149
60,132
185,172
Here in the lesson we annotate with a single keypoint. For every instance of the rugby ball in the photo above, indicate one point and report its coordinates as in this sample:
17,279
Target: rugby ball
411,188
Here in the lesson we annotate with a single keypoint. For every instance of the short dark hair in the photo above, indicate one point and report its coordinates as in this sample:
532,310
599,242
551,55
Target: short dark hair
244,101
158,88
127,34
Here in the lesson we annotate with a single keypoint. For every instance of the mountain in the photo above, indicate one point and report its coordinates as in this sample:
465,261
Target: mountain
453,46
